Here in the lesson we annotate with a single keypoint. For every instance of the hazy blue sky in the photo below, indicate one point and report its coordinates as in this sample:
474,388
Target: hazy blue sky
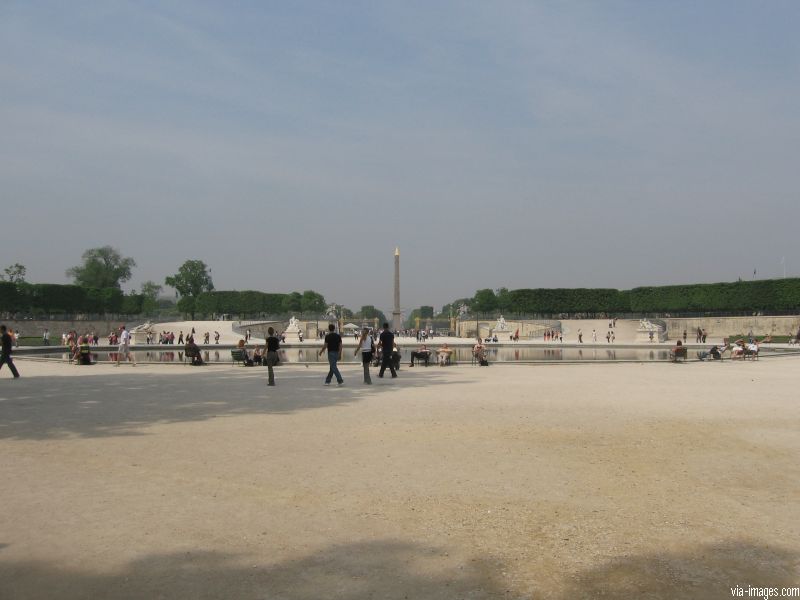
293,145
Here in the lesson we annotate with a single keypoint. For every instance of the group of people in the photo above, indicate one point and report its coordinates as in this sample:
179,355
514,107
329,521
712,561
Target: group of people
366,346
267,356
443,354
699,336
552,335
168,337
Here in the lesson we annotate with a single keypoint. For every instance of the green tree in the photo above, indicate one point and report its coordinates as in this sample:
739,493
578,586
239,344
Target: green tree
369,313
484,301
10,298
293,303
102,268
191,280
312,303
132,304
14,273
150,292
504,299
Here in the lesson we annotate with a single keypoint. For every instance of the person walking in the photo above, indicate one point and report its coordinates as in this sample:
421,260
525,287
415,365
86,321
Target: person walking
7,344
333,344
365,346
124,348
387,346
273,344
46,337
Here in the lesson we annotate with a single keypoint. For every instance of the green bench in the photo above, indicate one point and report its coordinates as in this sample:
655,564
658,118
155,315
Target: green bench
239,355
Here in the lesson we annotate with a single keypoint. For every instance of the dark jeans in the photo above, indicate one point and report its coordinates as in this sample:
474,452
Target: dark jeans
271,360
387,361
333,358
420,356
6,360
366,358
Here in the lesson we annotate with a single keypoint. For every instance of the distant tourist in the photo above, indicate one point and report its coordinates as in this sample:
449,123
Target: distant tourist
387,345
248,362
180,339
193,352
46,337
271,359
258,356
594,335
333,345
5,359
444,355
366,347
422,353
124,348
580,336
216,337
684,336
479,352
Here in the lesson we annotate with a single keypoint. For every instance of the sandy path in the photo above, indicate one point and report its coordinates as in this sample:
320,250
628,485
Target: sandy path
563,481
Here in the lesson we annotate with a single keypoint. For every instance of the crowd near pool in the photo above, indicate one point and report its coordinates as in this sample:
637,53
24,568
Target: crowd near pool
461,355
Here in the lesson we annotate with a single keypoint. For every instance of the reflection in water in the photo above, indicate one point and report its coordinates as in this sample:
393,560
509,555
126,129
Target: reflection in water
460,354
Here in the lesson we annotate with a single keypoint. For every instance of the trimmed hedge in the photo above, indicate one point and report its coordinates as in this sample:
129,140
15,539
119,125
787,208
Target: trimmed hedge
49,298
767,295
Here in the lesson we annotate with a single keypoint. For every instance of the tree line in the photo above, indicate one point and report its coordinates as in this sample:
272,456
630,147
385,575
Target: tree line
97,290
766,295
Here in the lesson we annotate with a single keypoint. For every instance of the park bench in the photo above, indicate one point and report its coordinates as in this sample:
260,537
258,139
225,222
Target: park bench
239,355
678,353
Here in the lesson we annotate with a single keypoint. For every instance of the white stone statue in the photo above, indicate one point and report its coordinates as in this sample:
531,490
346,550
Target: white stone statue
294,324
501,324
645,325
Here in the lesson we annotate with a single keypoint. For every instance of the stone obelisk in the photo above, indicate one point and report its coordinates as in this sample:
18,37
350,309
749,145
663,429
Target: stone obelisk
396,316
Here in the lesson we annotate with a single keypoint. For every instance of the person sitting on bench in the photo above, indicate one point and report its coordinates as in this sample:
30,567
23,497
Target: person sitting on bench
444,355
479,351
83,354
714,353
193,351
679,351
421,354
248,362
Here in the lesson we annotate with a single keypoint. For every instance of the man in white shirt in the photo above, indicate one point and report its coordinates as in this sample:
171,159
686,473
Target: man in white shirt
124,348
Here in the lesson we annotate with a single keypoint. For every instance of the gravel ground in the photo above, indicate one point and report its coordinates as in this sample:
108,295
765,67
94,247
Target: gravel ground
550,481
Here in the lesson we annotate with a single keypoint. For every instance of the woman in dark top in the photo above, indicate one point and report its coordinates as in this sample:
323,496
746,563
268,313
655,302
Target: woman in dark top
273,344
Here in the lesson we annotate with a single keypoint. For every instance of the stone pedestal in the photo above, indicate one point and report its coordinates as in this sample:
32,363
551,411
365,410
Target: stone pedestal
292,332
139,334
646,328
